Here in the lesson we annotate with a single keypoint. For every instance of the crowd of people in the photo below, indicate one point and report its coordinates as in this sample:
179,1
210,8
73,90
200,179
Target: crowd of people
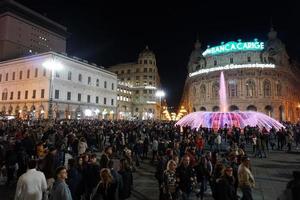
96,159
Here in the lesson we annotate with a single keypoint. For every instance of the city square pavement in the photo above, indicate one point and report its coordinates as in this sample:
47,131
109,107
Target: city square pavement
271,175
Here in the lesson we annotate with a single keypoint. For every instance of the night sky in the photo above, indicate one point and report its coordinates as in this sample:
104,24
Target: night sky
115,32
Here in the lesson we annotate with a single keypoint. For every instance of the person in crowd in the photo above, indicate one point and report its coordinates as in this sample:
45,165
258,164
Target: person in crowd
105,157
127,179
74,180
169,183
225,189
106,188
60,190
91,175
185,177
246,178
82,146
116,177
31,184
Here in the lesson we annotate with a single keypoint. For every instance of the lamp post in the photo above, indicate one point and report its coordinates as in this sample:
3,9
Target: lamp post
53,66
160,94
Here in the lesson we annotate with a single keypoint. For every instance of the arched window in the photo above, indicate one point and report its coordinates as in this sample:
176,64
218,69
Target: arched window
250,88
267,88
215,90
202,91
232,88
278,89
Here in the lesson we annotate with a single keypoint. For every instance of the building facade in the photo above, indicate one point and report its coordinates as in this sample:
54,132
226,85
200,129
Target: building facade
52,85
259,76
25,32
138,83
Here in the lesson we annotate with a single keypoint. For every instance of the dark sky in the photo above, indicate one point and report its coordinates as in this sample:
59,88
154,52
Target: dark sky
115,32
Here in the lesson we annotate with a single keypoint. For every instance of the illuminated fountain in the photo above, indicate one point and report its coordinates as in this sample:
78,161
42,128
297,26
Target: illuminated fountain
218,120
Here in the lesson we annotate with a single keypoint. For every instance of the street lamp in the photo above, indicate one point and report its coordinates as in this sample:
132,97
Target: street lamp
160,94
53,66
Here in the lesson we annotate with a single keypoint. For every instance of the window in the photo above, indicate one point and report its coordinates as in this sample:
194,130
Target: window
4,94
79,77
267,88
97,99
68,96
215,63
104,101
145,61
89,80
137,92
150,69
6,77
56,94
33,94
19,94
145,77
137,70
105,84
150,83
112,86
137,83
145,70
250,88
112,102
56,74
215,90
0,77
137,78
122,72
36,72
11,95
88,98
97,82
150,91
232,88
44,72
26,94
20,75
79,97
28,73
69,75
231,60
144,91
42,93
14,76
150,61
249,59
128,71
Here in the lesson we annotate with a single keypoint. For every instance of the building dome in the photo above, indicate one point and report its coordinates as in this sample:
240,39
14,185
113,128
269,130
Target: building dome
146,53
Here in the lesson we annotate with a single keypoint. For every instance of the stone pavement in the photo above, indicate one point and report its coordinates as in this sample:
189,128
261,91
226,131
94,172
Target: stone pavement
271,175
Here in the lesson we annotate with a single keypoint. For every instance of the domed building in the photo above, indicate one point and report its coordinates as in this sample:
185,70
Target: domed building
137,85
259,76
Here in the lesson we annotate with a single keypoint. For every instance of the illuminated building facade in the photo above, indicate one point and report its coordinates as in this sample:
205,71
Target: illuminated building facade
138,83
52,85
259,76
25,32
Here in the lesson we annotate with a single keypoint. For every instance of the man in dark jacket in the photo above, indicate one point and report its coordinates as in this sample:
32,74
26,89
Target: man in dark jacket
91,175
186,177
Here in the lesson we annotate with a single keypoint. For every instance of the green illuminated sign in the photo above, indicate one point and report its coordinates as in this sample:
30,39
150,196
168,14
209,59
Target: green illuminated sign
234,47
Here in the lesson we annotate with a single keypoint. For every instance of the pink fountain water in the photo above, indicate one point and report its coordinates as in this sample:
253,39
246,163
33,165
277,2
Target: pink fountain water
223,94
220,119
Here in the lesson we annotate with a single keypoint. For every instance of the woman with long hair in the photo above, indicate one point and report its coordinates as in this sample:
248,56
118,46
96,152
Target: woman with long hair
169,181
